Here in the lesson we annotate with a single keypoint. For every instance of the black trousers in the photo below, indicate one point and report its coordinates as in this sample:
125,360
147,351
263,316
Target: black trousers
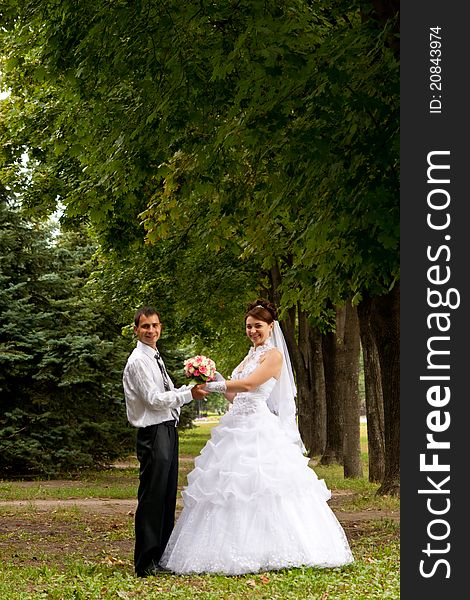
157,451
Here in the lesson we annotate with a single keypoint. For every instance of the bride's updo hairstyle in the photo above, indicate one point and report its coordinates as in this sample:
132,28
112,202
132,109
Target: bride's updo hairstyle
263,310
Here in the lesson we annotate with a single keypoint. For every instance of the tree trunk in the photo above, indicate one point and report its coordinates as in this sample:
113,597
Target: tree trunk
334,410
341,351
312,406
373,391
385,324
318,415
351,348
304,345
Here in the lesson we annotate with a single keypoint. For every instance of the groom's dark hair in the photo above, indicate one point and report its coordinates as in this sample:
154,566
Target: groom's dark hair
146,311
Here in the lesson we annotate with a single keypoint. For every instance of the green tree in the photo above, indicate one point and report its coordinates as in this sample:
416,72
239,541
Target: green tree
61,356
257,129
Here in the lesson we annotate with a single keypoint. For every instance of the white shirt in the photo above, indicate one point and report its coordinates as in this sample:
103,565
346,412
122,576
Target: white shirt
146,401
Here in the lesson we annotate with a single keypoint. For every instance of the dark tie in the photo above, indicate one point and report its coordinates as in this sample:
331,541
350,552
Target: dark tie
166,379
166,382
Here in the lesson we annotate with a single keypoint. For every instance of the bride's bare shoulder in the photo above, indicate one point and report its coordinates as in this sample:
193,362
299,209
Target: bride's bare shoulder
273,354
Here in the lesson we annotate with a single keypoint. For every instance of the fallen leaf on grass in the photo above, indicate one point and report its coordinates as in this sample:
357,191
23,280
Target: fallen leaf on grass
112,560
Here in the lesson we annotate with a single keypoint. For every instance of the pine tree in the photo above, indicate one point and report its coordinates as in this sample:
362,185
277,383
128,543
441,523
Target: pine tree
61,355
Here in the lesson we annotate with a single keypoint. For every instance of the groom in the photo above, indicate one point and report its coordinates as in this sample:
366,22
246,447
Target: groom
153,406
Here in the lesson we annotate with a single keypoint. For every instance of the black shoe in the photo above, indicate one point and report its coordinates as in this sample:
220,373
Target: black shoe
153,570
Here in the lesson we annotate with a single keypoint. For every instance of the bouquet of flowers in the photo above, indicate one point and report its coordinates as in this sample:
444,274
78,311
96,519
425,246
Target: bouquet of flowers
199,369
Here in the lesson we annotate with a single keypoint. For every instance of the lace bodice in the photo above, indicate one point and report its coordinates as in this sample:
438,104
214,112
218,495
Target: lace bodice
250,402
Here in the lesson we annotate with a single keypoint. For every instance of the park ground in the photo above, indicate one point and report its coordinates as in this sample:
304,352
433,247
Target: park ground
73,538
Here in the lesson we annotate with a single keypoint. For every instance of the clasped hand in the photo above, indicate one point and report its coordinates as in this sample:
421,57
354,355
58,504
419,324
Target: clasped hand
198,392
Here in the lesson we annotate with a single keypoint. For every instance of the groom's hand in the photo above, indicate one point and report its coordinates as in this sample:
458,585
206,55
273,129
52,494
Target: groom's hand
198,393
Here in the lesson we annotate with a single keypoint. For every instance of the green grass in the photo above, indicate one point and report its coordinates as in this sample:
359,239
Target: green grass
71,553
106,485
371,579
193,440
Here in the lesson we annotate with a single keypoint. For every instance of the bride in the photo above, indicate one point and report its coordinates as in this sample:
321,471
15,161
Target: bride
252,503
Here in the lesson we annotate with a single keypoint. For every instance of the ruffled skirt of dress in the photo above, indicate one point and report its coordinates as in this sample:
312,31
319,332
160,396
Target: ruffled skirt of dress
253,504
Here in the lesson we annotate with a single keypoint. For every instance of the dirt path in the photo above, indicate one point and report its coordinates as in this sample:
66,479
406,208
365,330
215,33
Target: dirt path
95,506
115,507
101,530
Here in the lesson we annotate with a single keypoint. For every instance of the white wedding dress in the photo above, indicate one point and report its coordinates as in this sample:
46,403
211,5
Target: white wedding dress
252,503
